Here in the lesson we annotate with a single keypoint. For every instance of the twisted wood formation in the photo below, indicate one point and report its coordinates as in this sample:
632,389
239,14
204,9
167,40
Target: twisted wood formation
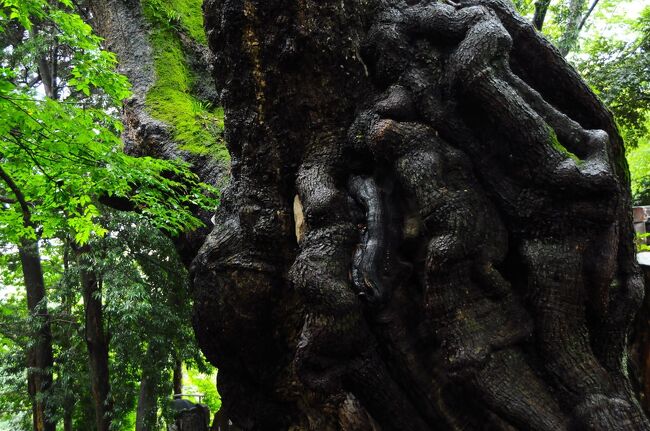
464,256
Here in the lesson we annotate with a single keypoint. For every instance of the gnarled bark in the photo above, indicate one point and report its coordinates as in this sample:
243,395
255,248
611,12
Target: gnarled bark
427,225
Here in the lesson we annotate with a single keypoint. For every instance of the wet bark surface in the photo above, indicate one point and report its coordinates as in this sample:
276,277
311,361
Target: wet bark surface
427,225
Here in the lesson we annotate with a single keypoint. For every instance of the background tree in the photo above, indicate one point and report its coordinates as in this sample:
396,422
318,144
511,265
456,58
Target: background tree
146,317
61,155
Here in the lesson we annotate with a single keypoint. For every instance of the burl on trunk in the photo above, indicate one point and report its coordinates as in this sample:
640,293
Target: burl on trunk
427,225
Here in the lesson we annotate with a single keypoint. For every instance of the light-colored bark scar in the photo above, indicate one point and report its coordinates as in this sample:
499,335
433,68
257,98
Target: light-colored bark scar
298,218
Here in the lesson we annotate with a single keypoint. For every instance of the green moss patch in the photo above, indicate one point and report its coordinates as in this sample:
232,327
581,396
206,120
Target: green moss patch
555,143
198,127
184,14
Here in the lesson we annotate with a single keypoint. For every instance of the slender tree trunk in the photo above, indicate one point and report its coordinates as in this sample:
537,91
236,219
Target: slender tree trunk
67,420
147,411
97,343
39,357
46,64
541,7
178,377
69,397
573,26
587,14
428,224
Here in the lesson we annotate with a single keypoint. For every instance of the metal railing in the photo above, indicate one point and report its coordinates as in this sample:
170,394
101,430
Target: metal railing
199,397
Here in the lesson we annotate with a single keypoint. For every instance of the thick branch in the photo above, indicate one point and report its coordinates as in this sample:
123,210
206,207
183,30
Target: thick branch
587,15
541,6
20,198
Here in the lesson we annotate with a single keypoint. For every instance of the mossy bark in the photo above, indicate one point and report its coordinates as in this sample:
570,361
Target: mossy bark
174,111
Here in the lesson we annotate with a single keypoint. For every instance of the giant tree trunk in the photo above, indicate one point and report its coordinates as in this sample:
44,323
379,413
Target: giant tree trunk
427,227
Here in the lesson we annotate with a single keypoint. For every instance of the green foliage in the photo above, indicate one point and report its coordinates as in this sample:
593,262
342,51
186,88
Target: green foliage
16,325
640,242
64,155
619,72
147,316
61,157
147,305
639,162
615,61
555,22
204,383
524,7
198,127
15,411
